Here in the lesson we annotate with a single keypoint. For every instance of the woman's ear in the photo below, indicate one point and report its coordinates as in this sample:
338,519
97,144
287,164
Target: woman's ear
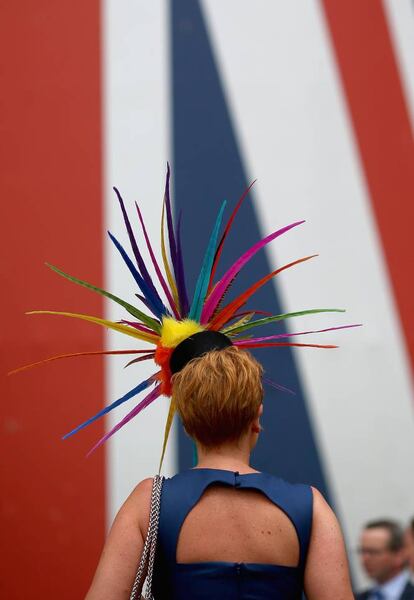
256,427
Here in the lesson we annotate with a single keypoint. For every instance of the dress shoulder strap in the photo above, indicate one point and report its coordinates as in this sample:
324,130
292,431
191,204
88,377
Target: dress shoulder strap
180,494
296,500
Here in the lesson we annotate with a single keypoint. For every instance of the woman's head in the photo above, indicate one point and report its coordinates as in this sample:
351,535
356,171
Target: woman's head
219,395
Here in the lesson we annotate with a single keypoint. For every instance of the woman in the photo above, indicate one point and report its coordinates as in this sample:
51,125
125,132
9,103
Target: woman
226,530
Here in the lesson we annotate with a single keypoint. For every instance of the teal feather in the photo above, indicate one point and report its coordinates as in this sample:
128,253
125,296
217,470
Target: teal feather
204,276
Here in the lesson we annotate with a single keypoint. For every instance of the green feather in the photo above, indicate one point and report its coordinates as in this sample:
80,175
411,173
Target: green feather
135,312
266,320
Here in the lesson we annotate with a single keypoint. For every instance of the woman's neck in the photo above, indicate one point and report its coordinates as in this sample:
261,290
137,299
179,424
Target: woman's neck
228,458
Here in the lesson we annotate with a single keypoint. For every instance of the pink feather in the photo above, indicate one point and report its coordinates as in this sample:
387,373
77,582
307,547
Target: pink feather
285,335
221,286
153,395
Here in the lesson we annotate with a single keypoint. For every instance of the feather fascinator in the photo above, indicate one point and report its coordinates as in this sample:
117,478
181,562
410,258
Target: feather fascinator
169,314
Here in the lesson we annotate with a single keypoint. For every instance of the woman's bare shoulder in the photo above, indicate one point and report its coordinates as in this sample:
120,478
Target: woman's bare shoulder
326,572
117,566
325,527
138,503
142,491
320,506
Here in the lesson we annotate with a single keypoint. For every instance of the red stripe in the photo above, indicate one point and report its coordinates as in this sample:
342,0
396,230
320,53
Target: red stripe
382,128
52,504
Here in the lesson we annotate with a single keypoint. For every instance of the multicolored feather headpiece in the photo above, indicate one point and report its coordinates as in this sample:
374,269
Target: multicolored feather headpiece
171,316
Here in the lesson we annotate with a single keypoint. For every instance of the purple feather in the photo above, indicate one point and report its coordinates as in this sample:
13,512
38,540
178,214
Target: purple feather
285,335
179,277
144,301
153,395
171,236
277,386
156,267
138,326
181,287
222,284
140,359
140,262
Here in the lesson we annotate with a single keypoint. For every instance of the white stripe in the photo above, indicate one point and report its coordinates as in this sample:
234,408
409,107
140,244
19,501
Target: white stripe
135,153
291,119
400,16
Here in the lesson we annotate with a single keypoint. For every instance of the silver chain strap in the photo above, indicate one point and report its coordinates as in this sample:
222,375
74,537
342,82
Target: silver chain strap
150,545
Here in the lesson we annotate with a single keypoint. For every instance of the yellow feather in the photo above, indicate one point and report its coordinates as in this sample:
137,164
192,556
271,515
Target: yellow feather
147,337
168,424
241,321
174,332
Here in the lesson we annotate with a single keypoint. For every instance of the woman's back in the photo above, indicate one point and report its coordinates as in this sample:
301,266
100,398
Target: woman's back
220,560
226,535
238,525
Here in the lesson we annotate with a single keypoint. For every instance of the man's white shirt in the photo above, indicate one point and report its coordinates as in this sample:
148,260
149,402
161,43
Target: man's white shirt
393,589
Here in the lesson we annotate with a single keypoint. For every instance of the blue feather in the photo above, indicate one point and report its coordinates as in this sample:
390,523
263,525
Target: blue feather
154,304
139,388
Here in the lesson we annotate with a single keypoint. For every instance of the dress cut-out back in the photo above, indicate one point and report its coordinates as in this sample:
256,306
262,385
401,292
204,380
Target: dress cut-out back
237,525
229,580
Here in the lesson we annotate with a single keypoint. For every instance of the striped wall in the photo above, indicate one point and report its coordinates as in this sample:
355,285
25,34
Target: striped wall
315,100
53,504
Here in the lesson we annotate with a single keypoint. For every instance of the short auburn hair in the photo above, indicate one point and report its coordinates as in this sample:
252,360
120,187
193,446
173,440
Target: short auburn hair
218,395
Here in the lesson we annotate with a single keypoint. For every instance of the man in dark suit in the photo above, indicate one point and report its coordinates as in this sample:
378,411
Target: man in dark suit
384,558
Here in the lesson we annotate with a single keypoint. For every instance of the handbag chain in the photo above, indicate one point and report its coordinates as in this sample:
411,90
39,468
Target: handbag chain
150,546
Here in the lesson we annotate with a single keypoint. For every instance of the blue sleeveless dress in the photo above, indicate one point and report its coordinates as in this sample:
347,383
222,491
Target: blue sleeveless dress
229,581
